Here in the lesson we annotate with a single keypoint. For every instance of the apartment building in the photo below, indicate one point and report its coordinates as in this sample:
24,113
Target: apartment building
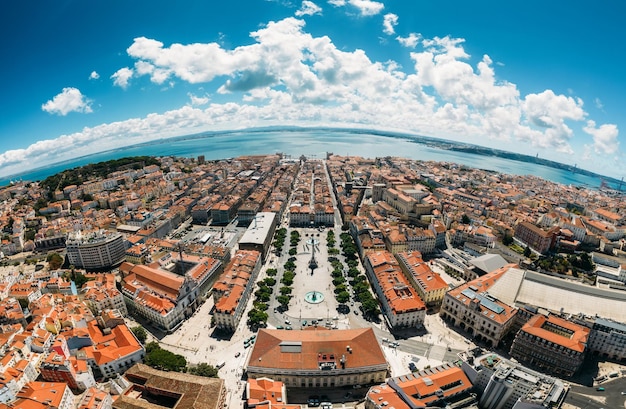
551,344
318,357
101,294
94,398
162,297
97,250
263,390
535,237
430,287
473,309
422,240
366,236
504,384
607,339
233,288
395,239
51,395
398,200
401,305
225,211
76,373
259,234
445,385
15,374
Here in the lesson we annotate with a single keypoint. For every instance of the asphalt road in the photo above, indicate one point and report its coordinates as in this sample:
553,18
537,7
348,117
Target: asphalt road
589,397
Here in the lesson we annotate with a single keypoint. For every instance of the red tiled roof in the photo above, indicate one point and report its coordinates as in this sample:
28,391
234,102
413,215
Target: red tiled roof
268,353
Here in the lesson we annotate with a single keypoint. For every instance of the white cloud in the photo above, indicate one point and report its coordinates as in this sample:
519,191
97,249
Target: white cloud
197,101
69,100
598,103
410,41
122,77
94,75
604,138
390,20
308,9
546,115
288,76
365,7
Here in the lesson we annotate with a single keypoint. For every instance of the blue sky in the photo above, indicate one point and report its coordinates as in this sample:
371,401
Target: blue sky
535,77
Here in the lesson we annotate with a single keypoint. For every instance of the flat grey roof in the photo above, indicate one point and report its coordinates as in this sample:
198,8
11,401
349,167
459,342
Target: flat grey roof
258,229
489,262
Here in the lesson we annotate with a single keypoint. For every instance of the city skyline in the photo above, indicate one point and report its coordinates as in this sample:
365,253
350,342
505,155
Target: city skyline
539,80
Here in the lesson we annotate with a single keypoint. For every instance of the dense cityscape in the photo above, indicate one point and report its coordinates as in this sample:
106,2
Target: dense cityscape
290,282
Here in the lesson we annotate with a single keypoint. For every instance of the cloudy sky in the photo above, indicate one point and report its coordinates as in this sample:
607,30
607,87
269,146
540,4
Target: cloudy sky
536,77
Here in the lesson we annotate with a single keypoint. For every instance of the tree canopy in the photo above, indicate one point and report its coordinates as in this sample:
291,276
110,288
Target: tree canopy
141,333
203,369
163,359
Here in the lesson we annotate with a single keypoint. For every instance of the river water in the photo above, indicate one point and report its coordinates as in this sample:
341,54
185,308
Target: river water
312,143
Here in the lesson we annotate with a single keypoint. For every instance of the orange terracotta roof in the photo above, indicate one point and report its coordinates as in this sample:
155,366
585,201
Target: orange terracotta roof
160,281
269,353
51,392
558,331
481,285
262,389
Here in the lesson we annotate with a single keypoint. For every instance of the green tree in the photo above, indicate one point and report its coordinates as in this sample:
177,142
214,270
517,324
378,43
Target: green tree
285,290
370,307
349,251
262,295
203,369
465,219
353,272
342,297
336,273
160,358
256,317
340,288
283,300
141,333
261,306
507,240
29,234
338,280
55,261
79,279
527,251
